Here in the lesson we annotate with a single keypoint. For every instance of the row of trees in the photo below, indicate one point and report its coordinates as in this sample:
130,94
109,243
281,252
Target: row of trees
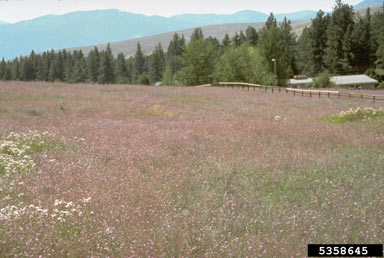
339,43
342,43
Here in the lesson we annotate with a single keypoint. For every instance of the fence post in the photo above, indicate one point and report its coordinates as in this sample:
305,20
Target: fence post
310,94
294,92
374,99
339,94
272,90
329,94
319,94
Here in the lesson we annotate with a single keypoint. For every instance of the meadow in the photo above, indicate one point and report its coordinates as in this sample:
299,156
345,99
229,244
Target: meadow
134,171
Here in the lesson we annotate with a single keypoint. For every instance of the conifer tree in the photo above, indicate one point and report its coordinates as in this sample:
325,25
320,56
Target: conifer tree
93,63
3,68
174,52
252,35
197,34
341,19
139,62
106,69
157,64
79,71
121,70
226,41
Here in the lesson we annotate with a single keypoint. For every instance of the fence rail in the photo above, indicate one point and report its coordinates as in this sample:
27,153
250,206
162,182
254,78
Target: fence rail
298,92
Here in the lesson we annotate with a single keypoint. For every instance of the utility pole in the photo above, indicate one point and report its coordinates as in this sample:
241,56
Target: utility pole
274,66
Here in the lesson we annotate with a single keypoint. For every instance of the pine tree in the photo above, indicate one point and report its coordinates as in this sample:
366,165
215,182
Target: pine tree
174,52
287,44
242,38
93,63
341,19
42,68
226,41
272,47
3,68
252,36
106,69
68,68
318,36
378,37
79,72
236,40
197,34
304,54
157,64
139,62
121,70
271,22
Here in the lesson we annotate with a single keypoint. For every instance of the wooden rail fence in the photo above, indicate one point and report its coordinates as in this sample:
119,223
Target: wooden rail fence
298,92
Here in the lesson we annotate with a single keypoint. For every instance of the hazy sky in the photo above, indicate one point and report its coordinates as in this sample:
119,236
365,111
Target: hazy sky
16,10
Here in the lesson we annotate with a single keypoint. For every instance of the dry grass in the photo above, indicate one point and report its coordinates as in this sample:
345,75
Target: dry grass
186,172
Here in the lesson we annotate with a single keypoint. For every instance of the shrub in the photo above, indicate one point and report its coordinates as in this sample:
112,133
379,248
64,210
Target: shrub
357,114
16,151
322,80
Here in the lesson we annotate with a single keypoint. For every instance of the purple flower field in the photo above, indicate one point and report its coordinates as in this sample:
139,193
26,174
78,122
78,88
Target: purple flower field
134,171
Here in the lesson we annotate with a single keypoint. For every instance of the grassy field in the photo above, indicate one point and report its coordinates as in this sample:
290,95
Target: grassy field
134,171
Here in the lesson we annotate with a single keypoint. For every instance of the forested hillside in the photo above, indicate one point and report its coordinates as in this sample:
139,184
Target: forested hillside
338,43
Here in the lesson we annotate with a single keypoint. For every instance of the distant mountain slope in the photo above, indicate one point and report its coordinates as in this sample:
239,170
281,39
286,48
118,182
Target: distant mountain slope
101,26
368,3
128,47
80,28
87,28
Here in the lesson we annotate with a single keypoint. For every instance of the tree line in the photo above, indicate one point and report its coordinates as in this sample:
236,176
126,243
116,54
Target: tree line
339,43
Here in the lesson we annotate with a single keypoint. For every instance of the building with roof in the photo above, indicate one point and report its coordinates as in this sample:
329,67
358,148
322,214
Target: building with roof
348,81
354,81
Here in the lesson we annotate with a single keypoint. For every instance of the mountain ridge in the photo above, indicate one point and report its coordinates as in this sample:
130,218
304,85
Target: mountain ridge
82,28
85,28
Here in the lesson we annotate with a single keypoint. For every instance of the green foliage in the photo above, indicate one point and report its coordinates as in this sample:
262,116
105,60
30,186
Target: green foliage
93,62
323,80
16,150
143,79
168,77
341,21
139,61
252,36
311,46
378,32
235,65
226,41
198,61
262,74
106,69
278,44
340,42
157,64
358,114
121,69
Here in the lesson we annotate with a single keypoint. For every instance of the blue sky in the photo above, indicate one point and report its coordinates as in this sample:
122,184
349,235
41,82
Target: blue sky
17,10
